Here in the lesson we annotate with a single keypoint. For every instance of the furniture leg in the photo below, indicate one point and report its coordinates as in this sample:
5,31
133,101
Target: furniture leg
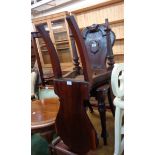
87,104
118,133
102,112
112,107
90,107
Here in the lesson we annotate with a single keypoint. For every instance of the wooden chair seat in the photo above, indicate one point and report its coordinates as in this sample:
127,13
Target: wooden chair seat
99,77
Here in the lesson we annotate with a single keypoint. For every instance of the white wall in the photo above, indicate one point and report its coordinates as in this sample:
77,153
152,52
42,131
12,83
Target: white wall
71,7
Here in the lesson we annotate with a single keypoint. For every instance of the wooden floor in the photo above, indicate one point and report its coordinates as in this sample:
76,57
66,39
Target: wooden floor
109,148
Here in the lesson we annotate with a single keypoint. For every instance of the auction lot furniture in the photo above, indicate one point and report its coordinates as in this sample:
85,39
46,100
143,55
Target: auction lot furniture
74,91
95,49
117,81
72,122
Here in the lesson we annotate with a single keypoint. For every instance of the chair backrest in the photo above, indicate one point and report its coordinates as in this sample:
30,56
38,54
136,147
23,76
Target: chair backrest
99,40
101,58
117,80
51,50
81,48
34,36
72,122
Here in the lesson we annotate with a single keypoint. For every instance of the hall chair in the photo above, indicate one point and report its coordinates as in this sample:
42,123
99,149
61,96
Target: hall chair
98,80
77,134
95,43
117,82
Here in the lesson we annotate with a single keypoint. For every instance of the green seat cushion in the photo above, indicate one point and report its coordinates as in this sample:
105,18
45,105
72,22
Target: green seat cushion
39,146
46,93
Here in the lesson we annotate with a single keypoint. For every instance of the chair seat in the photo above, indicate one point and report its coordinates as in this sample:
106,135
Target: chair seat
98,79
101,78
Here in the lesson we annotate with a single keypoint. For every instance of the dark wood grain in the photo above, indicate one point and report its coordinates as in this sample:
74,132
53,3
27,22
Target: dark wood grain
77,67
81,48
35,35
43,116
95,47
44,112
72,122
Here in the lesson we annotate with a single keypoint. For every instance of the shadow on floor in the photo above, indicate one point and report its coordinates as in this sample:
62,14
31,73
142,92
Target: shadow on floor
95,119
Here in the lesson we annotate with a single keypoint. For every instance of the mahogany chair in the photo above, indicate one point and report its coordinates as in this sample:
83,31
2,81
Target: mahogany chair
72,123
95,43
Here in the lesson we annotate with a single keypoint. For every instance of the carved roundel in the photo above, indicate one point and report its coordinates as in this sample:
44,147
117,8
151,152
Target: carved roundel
94,46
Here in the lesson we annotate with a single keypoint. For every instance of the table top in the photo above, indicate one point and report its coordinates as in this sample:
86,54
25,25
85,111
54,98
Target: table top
43,112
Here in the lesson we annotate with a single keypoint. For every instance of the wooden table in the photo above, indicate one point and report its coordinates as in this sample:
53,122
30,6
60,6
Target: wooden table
43,115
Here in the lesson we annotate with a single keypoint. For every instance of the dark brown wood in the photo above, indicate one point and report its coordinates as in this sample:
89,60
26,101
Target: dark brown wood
51,49
95,49
110,55
72,122
101,94
77,68
59,148
81,48
35,35
43,115
99,40
45,78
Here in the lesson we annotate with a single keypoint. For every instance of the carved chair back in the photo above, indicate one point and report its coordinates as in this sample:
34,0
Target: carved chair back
99,40
87,57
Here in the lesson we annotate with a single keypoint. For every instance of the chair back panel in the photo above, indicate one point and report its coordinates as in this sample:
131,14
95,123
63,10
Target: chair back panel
81,48
34,36
72,122
96,41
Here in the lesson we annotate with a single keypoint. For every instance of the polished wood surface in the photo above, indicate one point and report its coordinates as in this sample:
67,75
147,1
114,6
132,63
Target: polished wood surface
35,35
72,122
95,50
81,48
43,112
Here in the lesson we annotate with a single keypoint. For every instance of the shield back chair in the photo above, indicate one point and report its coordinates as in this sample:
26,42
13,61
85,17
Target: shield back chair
117,81
77,134
95,49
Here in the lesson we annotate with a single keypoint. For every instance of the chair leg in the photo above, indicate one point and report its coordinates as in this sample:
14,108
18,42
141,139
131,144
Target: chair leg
102,112
90,107
118,125
87,104
112,107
